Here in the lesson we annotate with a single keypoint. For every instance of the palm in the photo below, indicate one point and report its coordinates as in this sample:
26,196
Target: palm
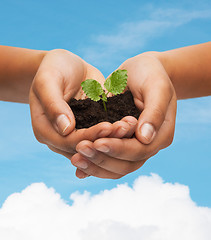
57,81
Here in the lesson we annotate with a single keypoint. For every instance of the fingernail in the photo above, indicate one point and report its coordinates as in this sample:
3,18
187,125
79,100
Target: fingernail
147,131
133,122
82,175
63,123
81,164
103,148
88,152
121,130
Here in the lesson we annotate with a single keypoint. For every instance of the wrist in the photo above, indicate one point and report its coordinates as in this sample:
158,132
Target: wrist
167,64
28,69
35,62
163,58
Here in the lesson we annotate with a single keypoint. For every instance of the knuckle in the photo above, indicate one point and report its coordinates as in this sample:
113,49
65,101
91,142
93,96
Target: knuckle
38,137
158,115
86,134
56,150
169,89
169,140
140,155
129,167
137,156
134,166
52,148
117,176
38,82
93,171
166,86
66,147
62,144
126,171
100,162
169,136
52,110
50,106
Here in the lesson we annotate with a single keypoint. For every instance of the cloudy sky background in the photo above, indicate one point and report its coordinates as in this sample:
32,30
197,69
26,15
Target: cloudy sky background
35,184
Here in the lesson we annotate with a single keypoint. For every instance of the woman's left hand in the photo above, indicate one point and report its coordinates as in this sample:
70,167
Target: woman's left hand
119,154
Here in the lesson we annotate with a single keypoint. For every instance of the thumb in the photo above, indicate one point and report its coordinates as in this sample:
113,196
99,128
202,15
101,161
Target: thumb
56,109
156,101
94,73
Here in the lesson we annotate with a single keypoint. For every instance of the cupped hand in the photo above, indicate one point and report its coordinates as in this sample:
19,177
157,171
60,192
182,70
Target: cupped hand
154,95
57,80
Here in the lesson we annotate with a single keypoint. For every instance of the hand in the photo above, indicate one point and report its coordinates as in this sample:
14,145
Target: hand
57,80
155,96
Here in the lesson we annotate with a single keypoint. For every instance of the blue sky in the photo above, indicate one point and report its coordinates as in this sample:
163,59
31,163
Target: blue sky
105,33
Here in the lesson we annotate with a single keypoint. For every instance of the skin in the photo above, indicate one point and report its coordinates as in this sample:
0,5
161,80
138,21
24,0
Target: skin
18,67
47,102
156,81
154,94
52,78
57,80
105,150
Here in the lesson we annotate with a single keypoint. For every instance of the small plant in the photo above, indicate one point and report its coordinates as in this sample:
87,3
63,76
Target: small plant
115,84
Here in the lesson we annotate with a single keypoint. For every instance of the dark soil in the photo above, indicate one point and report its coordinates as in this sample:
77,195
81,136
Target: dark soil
89,113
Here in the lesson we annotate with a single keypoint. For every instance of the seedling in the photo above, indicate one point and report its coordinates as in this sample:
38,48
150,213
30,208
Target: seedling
115,84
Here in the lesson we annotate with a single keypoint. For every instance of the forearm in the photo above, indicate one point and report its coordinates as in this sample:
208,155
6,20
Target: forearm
189,69
18,67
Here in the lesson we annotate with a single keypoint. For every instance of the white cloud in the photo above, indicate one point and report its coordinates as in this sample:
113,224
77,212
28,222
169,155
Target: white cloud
150,209
108,48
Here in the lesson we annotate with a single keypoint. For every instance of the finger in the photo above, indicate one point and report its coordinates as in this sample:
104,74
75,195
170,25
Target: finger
85,167
65,154
132,121
120,129
103,129
80,174
124,149
133,149
106,162
48,88
156,102
124,128
45,133
91,169
43,129
166,132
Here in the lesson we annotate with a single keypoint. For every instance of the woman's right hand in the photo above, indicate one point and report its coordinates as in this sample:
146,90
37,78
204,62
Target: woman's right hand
57,80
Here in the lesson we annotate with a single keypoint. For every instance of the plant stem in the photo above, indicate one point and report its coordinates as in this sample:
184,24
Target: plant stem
104,106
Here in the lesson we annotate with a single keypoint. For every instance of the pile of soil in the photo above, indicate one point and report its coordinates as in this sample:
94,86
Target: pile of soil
89,113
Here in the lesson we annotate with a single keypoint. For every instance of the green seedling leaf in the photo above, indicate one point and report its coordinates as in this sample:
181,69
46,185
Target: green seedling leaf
117,82
92,89
104,97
